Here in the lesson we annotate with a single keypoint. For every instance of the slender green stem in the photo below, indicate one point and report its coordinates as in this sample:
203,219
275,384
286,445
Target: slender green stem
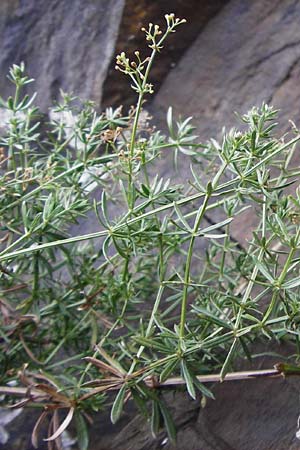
244,300
142,92
16,98
82,321
188,266
63,174
5,255
281,279
135,127
35,284
197,223
224,251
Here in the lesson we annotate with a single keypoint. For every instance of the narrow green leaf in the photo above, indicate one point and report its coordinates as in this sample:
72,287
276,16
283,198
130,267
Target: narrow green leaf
205,314
105,245
253,140
24,216
155,418
94,330
246,349
118,404
168,421
213,236
151,343
188,379
119,248
217,225
145,190
209,188
281,186
10,103
186,151
168,370
228,360
182,218
112,361
262,268
197,180
203,389
82,432
291,284
104,208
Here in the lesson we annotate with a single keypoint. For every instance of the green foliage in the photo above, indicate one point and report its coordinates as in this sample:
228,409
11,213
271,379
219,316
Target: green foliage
90,320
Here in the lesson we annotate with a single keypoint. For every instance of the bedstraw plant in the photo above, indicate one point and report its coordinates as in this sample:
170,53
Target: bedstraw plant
158,293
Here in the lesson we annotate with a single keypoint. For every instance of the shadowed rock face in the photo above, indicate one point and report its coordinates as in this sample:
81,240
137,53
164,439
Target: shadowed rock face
138,14
248,53
65,44
246,415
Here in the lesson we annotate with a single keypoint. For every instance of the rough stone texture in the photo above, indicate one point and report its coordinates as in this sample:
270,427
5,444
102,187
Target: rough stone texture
236,420
247,54
116,89
19,432
246,415
65,44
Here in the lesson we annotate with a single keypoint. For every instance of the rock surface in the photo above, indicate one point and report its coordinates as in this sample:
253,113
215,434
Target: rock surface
65,44
245,415
247,54
116,89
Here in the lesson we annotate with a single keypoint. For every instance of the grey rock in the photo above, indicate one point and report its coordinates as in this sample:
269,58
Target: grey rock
117,90
247,54
6,416
65,44
238,419
245,415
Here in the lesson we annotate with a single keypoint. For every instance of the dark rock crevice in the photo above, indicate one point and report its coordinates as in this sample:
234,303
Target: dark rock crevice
69,40
137,14
230,56
280,84
252,68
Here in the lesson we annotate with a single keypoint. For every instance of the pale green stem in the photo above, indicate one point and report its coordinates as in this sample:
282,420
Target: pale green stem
35,191
245,297
136,120
197,223
4,255
281,278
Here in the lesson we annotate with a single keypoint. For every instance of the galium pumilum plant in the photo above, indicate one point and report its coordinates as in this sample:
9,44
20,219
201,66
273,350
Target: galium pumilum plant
160,294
